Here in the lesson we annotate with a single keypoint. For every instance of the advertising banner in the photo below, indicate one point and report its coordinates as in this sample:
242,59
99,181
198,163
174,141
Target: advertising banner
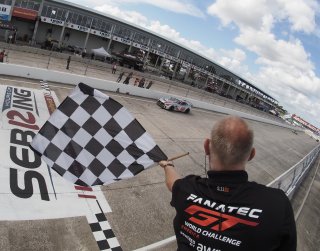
122,40
24,13
29,190
140,46
52,21
4,12
100,33
77,27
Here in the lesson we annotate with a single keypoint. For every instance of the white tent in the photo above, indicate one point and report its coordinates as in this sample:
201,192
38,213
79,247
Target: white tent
100,52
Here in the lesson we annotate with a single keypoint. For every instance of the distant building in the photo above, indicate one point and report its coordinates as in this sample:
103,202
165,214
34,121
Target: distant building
69,26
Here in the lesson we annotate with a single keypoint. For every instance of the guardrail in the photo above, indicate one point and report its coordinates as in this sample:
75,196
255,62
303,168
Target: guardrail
288,182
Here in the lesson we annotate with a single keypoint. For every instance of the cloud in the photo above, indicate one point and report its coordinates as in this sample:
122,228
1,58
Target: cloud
253,13
130,16
243,13
286,70
232,59
276,52
301,14
178,6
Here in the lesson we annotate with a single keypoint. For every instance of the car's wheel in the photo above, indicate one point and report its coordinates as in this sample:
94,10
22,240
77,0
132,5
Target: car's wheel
187,111
170,108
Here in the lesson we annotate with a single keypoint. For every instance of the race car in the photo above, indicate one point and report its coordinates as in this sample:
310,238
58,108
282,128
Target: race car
174,104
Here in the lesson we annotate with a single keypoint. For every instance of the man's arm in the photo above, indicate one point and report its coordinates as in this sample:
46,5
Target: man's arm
170,173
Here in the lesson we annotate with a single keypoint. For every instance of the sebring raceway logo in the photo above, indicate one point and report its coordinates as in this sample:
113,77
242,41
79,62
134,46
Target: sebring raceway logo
28,189
21,111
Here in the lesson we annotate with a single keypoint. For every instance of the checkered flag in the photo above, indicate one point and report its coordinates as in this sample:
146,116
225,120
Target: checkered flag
91,139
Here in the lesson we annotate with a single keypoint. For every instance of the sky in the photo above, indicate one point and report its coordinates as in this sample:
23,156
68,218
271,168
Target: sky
275,44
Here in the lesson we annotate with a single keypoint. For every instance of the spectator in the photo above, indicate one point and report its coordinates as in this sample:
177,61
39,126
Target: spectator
126,81
136,82
150,84
225,211
10,38
114,68
120,76
141,83
2,55
68,62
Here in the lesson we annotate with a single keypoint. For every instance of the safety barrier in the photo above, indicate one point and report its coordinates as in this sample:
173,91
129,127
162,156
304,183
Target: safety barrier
288,182
73,79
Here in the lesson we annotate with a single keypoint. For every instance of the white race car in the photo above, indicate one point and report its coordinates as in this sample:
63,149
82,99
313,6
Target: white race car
174,104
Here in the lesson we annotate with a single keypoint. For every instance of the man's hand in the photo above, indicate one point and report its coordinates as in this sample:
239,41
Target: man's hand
170,173
165,163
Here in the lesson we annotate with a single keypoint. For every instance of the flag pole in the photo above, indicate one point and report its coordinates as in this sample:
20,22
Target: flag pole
178,156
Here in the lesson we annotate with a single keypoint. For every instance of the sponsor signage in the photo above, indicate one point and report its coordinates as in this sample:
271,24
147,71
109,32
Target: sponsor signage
52,21
122,40
30,191
100,33
4,12
61,23
140,46
77,27
306,124
24,13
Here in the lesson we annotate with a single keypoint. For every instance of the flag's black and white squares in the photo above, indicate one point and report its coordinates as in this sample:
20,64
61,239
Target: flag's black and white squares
91,139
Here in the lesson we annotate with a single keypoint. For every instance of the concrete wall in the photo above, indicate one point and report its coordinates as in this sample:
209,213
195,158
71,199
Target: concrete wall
67,78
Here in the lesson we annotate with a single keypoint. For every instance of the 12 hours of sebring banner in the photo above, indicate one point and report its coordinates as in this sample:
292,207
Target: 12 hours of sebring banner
27,192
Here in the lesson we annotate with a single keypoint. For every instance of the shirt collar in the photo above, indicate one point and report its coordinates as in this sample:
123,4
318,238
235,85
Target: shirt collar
228,176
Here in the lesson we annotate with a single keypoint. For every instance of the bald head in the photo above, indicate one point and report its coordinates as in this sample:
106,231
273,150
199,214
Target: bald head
231,141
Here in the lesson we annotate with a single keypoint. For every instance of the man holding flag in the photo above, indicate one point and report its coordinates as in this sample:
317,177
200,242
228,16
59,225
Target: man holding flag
225,211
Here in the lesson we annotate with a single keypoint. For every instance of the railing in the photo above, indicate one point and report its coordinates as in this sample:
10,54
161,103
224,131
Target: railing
83,66
288,182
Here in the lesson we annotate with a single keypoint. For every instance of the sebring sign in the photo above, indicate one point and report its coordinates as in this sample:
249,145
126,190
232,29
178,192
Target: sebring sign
28,190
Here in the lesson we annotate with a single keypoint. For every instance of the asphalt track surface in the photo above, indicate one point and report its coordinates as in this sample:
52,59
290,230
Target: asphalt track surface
141,213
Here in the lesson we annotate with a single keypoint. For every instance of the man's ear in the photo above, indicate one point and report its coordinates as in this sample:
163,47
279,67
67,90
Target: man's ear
206,146
252,154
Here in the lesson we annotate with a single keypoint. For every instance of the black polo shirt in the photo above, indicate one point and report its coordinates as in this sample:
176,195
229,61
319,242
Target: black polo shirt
227,212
